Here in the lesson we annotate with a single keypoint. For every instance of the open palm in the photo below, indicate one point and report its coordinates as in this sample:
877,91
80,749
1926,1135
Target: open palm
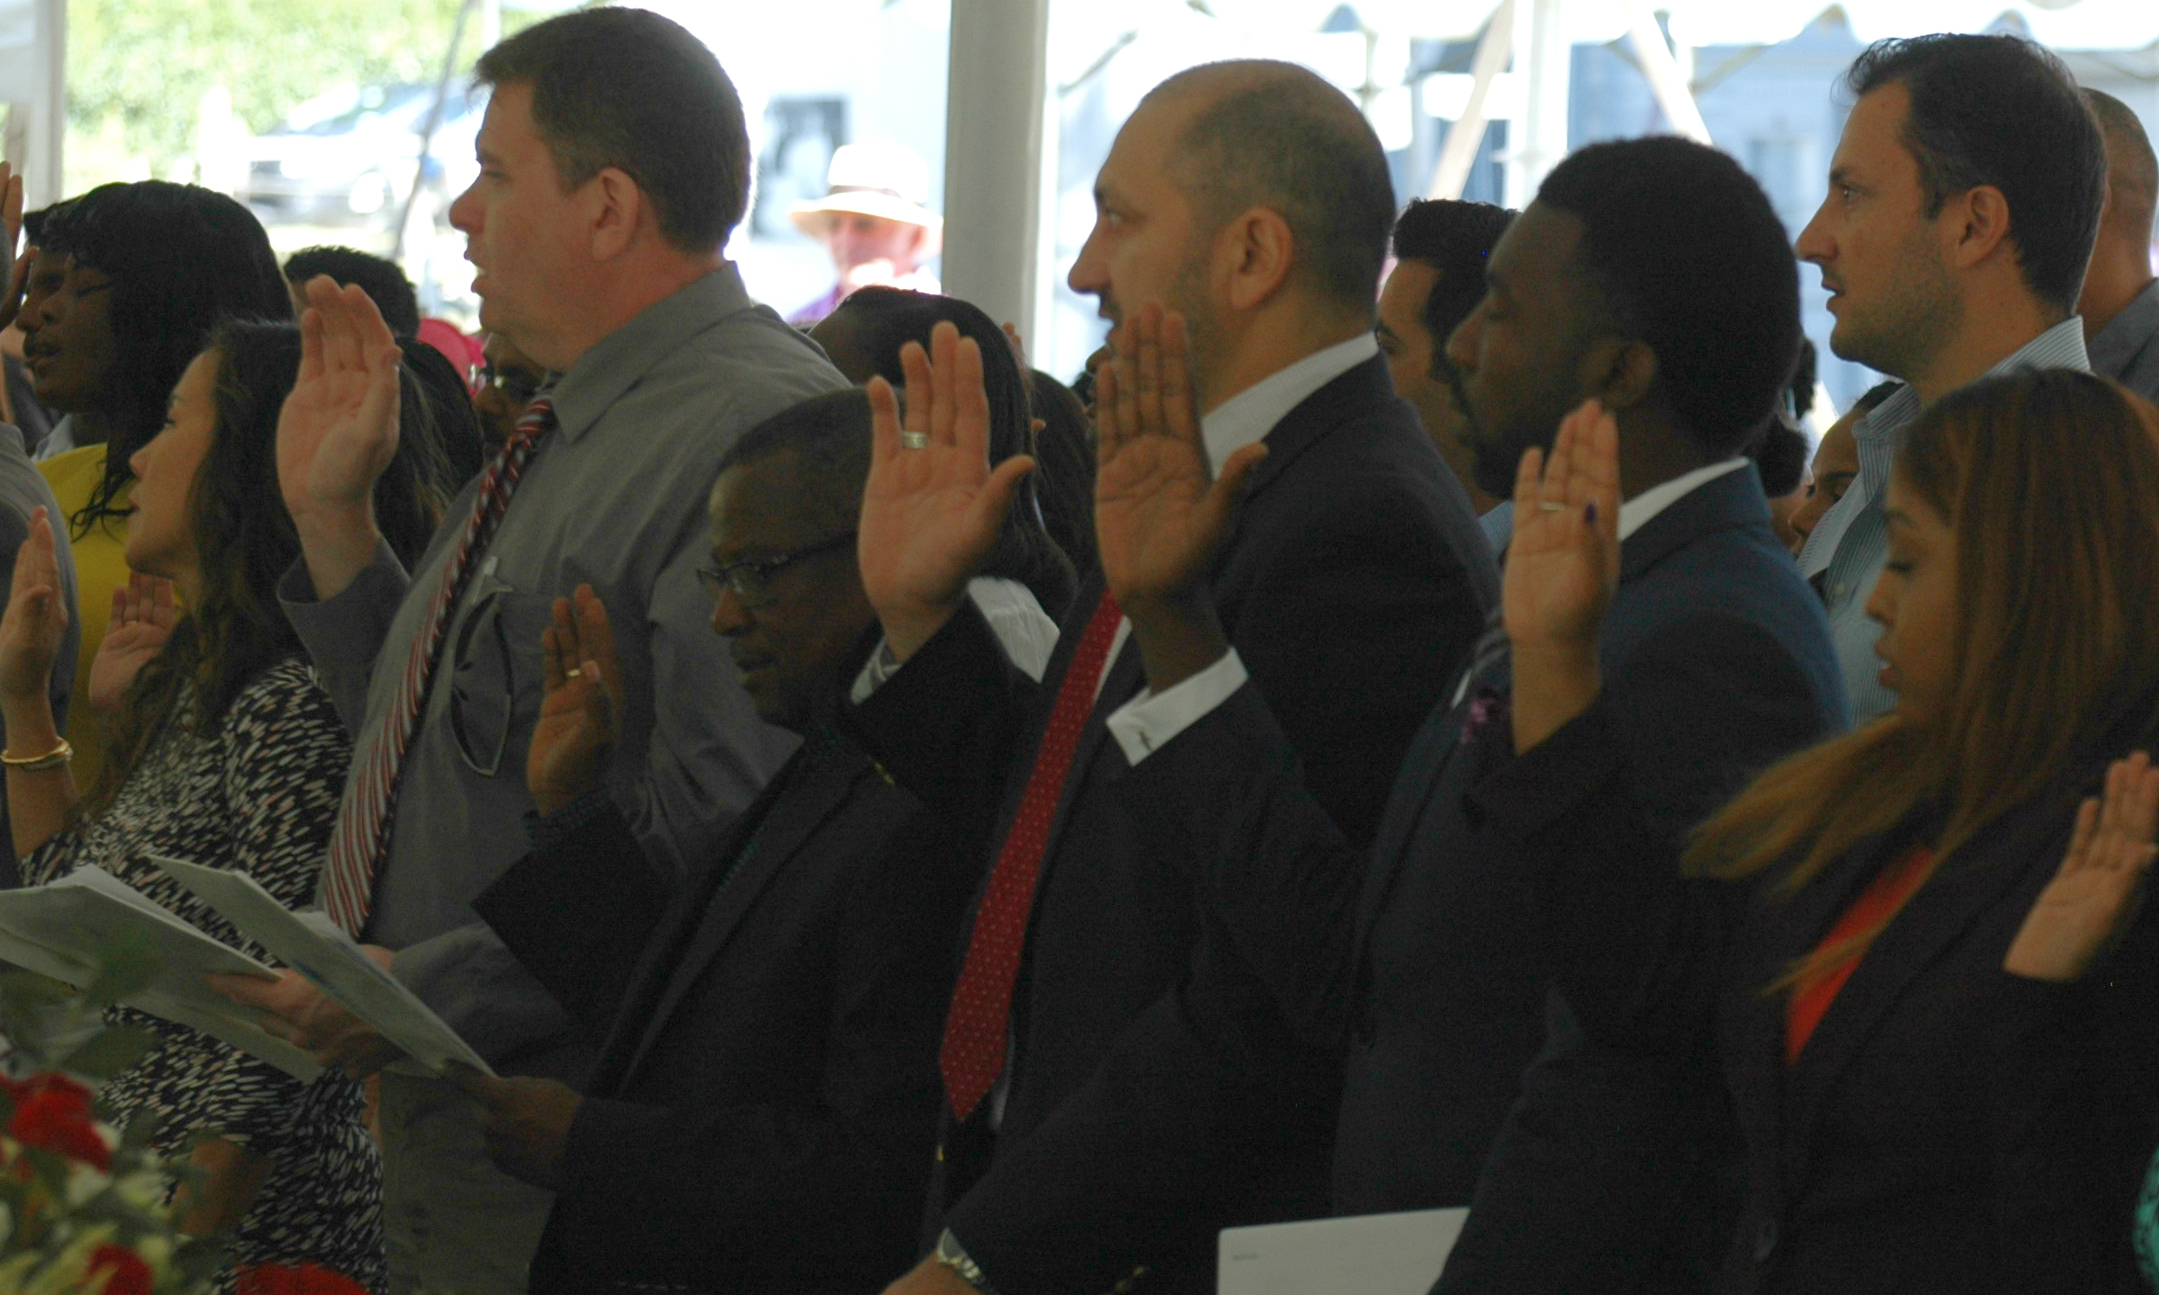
581,709
933,506
2091,899
1161,514
36,617
143,615
337,430
1563,562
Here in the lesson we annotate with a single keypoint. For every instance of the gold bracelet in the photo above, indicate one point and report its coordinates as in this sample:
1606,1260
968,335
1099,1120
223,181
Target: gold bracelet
52,759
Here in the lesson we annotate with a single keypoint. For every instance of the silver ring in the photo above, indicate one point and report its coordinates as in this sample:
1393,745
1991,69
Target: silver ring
1547,506
914,440
575,672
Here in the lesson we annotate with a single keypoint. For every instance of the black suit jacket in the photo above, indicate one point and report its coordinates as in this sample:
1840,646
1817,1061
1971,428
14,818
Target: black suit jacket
1413,961
1948,1127
1356,580
765,1098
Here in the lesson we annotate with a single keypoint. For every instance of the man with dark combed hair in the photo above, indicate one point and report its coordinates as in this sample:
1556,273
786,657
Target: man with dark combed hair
613,162
1963,200
1440,249
2120,304
380,279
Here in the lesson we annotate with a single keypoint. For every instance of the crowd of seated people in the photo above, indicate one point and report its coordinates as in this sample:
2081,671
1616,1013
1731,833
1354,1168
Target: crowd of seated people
891,821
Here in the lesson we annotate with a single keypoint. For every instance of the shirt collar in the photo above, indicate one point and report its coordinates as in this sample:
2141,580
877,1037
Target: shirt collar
1635,513
1250,414
2127,333
2059,347
619,360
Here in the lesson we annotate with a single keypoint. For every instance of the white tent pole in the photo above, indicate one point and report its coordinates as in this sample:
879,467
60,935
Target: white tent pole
993,148
1459,151
43,182
1541,138
1662,70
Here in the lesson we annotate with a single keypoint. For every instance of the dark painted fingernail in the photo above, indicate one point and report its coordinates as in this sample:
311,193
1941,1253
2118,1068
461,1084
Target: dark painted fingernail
1589,512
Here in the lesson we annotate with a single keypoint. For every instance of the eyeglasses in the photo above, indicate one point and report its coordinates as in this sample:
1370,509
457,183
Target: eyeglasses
751,578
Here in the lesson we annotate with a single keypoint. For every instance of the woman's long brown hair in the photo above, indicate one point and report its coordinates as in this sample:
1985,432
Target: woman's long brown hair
2049,481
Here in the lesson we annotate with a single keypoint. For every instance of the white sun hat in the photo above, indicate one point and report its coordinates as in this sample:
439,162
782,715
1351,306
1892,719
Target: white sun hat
889,181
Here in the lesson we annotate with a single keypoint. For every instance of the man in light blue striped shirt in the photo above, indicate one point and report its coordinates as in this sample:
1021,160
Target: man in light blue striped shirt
1963,200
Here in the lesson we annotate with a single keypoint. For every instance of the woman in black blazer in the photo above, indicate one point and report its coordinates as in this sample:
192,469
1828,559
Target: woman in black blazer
1921,1112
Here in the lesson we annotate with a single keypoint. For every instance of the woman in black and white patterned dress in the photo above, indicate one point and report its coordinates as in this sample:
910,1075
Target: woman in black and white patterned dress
225,750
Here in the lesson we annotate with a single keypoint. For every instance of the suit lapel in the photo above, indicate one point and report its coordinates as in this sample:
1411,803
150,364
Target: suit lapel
1939,914
729,893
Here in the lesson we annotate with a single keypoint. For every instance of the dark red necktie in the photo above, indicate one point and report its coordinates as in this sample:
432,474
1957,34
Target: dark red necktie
973,1052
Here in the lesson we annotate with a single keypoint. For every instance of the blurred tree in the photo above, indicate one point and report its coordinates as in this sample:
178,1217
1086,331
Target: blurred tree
137,69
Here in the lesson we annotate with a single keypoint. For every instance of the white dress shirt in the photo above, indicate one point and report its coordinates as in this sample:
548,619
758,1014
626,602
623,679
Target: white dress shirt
1143,725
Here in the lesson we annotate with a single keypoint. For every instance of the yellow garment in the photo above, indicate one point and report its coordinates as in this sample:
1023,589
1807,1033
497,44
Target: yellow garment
100,568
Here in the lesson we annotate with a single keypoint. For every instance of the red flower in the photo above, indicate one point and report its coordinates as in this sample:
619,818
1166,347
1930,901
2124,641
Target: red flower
307,1279
130,1275
53,1113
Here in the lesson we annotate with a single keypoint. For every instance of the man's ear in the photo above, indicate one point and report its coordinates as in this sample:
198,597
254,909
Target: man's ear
1621,372
1978,224
615,210
1260,252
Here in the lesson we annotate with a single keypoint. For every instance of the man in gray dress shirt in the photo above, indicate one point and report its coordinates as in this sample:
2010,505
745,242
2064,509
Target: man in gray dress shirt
1963,197
613,163
2121,294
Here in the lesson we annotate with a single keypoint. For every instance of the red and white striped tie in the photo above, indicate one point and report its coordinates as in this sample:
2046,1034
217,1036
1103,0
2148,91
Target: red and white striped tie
363,823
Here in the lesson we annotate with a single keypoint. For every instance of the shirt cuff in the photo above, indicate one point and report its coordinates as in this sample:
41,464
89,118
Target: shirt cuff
1149,721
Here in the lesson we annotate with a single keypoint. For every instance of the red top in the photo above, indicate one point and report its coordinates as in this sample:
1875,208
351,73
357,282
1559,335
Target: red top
1883,896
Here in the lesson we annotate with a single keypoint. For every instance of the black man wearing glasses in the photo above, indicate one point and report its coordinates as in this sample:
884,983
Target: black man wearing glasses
767,1086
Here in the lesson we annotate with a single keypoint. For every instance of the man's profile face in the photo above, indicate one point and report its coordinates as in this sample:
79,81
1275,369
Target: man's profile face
1145,245
1414,359
526,238
800,647
1522,352
1882,259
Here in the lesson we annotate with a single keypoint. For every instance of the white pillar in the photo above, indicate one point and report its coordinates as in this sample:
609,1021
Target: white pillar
993,155
1537,140
1459,152
43,181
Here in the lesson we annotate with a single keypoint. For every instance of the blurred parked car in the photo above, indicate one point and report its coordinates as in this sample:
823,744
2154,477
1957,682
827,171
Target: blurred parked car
349,156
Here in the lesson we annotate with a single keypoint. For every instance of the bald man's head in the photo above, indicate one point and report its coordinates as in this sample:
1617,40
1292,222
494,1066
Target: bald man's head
2132,171
1269,134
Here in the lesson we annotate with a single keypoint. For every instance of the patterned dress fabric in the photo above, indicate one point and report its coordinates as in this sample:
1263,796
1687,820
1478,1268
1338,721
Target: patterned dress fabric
259,793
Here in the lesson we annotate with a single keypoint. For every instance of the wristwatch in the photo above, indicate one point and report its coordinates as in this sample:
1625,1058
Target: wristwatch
953,1255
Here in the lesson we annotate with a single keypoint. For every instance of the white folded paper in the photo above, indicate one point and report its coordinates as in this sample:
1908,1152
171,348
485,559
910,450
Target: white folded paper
65,928
1373,1254
318,949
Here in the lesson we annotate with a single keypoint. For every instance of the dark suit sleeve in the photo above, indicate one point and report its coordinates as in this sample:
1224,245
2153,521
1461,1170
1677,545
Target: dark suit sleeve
943,726
2074,1097
578,913
1612,1147
677,1194
1209,1100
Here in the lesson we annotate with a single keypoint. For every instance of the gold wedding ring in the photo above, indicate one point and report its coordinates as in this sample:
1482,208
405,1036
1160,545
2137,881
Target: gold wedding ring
1547,506
914,440
574,672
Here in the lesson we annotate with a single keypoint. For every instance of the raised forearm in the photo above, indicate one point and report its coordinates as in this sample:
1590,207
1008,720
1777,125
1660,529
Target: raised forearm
1177,638
1552,685
337,544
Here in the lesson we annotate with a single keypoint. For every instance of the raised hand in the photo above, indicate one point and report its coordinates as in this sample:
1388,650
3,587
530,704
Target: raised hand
578,715
1161,513
143,615
1563,562
2091,899
11,204
337,430
1562,567
933,507
36,617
